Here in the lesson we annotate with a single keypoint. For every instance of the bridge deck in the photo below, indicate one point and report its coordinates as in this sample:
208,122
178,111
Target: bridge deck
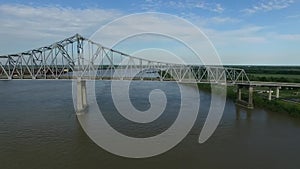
270,84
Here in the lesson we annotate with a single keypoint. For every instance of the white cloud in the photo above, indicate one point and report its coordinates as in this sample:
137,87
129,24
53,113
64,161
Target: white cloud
154,5
50,21
27,26
268,6
210,21
245,35
223,20
163,29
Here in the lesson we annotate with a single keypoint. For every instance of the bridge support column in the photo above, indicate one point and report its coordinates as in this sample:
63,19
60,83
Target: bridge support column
84,97
277,92
239,93
270,94
81,96
245,103
250,99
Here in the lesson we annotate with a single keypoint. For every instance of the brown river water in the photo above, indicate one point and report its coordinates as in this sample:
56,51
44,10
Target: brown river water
39,130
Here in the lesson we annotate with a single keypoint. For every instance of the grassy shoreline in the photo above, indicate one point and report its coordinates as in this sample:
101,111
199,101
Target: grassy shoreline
275,105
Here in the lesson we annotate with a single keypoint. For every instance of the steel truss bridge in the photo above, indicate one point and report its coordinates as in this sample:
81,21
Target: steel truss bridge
80,57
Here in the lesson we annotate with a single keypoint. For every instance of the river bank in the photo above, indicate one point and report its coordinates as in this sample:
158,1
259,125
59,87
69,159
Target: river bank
275,105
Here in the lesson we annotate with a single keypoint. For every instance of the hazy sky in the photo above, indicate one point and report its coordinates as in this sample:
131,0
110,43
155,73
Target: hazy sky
243,32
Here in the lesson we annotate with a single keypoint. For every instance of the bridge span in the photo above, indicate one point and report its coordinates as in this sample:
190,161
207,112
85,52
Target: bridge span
79,58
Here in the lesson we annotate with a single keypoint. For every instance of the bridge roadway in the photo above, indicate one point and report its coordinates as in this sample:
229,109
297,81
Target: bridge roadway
271,84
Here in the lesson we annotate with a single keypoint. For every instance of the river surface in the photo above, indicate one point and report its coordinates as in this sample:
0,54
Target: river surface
39,130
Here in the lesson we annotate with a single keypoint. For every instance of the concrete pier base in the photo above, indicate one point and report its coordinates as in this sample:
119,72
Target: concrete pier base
250,98
277,92
81,99
270,94
239,96
249,103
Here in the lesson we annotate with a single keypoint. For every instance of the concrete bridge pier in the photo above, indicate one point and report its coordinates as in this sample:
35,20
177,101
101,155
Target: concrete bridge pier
240,101
81,99
277,92
270,94
250,98
239,93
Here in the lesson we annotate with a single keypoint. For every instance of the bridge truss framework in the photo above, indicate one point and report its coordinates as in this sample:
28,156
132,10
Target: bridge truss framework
89,60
